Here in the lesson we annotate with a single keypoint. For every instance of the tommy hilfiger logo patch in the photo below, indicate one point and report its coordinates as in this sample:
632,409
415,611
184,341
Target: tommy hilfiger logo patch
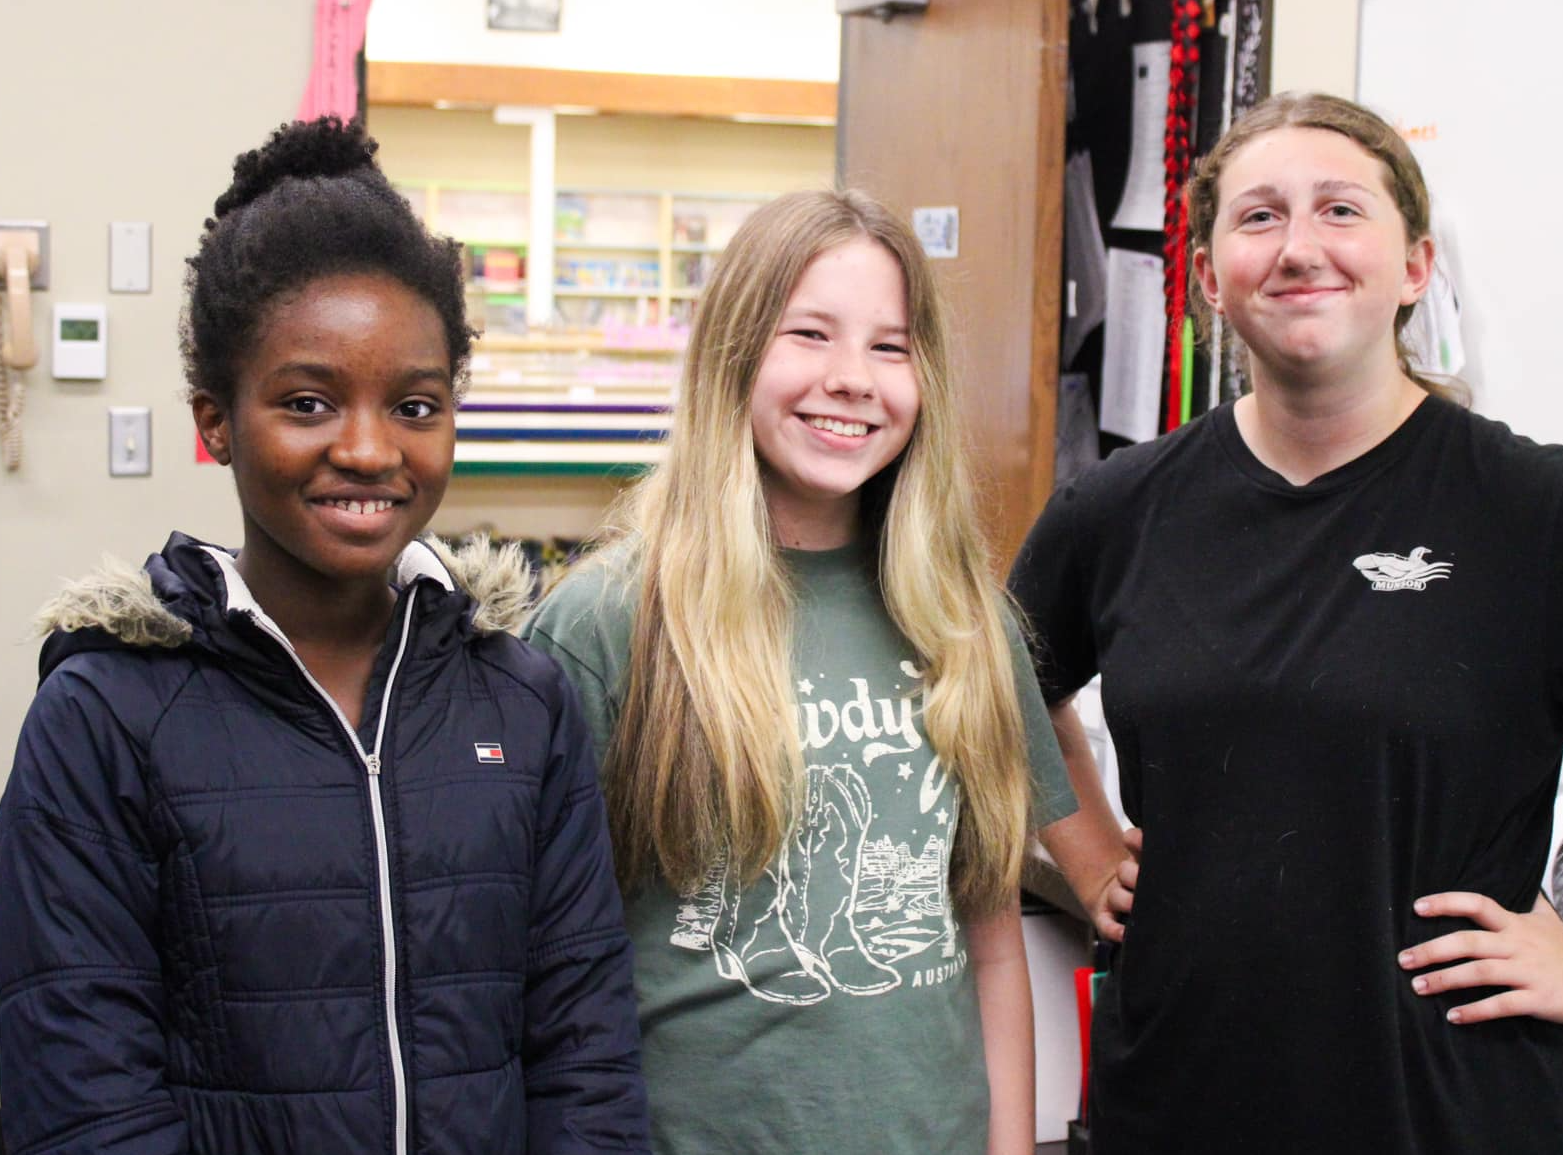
1390,571
489,751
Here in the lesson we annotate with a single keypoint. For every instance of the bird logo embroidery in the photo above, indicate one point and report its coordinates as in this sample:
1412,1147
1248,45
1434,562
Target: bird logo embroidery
1391,571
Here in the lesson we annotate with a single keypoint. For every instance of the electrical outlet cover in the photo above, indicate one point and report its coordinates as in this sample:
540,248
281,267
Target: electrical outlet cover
130,441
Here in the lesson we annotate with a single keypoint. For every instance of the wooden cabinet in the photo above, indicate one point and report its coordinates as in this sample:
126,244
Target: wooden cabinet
964,106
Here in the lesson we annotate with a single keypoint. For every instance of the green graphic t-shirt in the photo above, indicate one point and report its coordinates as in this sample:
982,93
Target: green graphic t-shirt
828,1008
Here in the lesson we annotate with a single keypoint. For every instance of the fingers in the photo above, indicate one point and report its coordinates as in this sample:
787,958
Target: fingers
1507,1005
1449,947
1523,952
1134,841
1493,970
1120,899
1128,876
1108,927
1463,904
1477,973
1117,902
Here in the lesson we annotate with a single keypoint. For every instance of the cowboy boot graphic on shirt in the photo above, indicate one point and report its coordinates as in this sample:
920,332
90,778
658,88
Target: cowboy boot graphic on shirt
824,896
756,949
816,949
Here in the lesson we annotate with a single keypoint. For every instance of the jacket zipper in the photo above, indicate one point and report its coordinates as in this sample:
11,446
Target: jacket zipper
371,761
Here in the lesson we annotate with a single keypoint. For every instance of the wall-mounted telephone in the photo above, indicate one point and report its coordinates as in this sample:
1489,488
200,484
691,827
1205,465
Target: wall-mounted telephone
24,262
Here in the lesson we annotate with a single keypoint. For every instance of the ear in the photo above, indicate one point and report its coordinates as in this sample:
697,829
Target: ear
212,423
1206,274
1419,271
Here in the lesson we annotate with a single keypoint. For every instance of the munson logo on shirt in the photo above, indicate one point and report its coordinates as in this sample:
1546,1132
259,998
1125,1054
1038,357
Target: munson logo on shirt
1391,571
489,751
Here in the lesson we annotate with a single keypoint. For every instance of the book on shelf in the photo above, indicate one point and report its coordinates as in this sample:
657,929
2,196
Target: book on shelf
618,436
689,228
496,268
534,407
611,274
561,452
629,397
563,422
693,271
569,217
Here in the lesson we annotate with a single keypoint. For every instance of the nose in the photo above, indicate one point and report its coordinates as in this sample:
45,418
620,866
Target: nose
365,445
849,375
1300,249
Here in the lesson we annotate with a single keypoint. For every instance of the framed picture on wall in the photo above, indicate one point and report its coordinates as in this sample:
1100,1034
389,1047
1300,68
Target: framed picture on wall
524,15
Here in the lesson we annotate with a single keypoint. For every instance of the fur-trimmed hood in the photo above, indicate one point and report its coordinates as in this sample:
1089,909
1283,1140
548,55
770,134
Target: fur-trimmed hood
121,605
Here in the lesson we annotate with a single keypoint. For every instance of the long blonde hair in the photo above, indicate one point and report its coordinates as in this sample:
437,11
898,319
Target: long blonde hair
1375,136
705,763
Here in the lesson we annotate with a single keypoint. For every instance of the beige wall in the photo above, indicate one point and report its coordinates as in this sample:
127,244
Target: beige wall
1314,46
121,112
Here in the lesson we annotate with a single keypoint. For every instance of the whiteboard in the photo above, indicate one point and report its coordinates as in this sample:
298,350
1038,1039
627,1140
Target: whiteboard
1476,89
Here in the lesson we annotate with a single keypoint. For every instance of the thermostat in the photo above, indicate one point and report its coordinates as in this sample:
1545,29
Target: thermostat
81,342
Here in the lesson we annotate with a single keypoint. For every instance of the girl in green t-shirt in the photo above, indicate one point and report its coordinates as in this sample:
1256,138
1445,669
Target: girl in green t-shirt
801,674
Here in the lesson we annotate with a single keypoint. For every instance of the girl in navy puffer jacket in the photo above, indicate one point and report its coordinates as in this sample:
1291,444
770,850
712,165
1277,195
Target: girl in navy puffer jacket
301,850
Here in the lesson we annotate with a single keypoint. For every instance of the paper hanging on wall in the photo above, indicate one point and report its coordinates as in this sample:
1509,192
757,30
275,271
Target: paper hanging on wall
939,229
1142,204
1085,257
1134,343
1432,335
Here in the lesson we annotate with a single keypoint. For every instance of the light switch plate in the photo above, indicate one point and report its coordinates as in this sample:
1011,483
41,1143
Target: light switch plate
130,441
130,257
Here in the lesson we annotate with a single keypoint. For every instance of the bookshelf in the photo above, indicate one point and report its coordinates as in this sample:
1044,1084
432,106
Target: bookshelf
622,259
638,258
490,221
593,394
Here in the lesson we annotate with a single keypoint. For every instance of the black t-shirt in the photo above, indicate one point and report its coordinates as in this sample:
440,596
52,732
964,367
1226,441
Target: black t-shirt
1327,701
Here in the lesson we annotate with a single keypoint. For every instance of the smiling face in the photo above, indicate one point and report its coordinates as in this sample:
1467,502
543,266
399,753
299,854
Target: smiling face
1308,258
836,397
341,433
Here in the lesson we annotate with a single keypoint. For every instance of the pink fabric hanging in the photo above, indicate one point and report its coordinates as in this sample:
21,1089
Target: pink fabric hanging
333,81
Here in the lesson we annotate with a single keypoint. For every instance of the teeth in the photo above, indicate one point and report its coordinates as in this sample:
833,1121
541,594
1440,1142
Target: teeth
362,506
844,428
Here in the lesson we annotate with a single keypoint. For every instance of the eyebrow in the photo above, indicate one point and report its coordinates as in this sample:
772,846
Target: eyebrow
325,373
805,313
1270,191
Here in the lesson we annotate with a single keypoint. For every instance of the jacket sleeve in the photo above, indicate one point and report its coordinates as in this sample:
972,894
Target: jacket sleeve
81,993
582,1046
1048,582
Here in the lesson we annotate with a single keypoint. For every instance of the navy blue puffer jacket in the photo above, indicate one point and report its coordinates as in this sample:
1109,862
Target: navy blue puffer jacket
229,923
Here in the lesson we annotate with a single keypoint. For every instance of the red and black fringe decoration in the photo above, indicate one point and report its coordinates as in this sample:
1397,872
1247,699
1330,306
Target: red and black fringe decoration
1181,90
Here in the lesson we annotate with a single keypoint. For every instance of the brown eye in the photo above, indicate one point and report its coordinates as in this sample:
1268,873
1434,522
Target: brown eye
416,409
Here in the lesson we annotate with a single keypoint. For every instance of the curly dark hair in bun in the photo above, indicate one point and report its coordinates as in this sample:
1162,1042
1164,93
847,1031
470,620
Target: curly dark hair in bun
309,203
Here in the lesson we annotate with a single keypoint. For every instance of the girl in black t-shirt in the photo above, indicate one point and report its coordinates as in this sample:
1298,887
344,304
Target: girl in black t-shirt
1329,623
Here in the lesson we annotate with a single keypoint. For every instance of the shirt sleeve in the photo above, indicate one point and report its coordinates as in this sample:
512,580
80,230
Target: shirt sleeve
1049,583
584,624
1052,797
